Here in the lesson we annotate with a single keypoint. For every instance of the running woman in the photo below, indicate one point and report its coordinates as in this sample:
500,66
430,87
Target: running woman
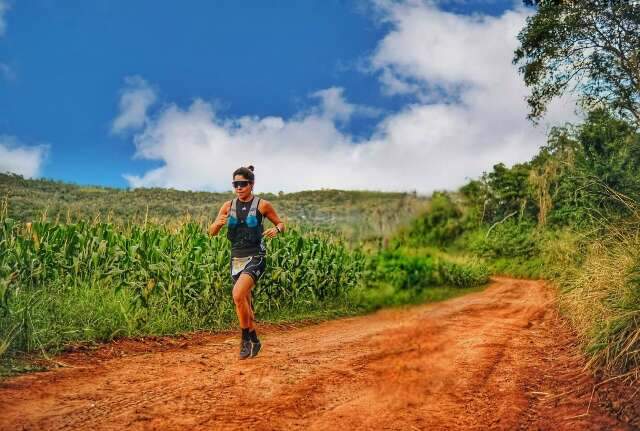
243,217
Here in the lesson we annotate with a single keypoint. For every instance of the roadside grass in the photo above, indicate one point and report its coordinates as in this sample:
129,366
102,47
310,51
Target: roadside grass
601,297
101,318
384,295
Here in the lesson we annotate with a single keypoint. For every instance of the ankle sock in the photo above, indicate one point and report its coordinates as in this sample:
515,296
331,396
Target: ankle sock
253,336
245,333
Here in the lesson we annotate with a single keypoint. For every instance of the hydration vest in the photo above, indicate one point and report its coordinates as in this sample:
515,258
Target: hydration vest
244,229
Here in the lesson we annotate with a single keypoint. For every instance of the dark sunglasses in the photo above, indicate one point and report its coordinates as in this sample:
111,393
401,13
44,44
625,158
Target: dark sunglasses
243,183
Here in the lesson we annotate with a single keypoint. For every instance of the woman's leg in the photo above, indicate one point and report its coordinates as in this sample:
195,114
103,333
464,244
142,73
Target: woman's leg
252,314
241,295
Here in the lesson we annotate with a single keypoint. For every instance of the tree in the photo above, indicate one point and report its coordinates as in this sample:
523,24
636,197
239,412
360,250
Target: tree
590,47
588,172
509,192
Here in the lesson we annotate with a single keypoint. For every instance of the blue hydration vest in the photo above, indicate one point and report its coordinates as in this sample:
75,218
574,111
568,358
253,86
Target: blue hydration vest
244,229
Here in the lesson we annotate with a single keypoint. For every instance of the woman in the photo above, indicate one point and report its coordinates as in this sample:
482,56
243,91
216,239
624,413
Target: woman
243,217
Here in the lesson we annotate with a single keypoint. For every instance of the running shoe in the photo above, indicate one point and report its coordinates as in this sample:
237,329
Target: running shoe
245,349
255,348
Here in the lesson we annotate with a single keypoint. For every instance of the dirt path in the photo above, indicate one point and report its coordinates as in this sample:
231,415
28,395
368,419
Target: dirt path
497,359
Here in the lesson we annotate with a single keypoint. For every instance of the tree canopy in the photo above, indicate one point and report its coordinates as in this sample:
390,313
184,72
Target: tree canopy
590,47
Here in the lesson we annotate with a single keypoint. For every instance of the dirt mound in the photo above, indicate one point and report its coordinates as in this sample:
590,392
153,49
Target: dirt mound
498,359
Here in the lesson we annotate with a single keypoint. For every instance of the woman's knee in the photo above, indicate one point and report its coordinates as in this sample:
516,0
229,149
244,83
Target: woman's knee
242,288
239,294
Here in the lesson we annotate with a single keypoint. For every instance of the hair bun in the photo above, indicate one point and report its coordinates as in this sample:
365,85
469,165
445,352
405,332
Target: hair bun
250,167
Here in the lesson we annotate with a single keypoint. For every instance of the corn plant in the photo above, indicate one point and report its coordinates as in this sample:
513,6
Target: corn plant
156,270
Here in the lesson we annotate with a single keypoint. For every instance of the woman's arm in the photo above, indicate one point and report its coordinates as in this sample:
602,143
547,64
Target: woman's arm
220,220
267,210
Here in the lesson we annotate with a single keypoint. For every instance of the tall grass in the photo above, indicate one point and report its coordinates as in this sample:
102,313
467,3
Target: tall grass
600,294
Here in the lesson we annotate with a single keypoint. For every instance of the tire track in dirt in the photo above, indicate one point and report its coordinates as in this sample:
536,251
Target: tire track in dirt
496,359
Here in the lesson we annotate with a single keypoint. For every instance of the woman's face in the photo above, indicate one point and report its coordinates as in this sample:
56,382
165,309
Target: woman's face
242,187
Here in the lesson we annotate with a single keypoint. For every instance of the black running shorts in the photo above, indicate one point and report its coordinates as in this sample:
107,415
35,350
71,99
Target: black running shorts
252,265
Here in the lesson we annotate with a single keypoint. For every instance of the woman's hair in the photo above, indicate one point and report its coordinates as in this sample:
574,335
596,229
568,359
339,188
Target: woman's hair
246,172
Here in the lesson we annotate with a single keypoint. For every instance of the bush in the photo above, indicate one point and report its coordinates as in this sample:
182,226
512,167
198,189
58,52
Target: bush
469,274
402,271
439,225
509,239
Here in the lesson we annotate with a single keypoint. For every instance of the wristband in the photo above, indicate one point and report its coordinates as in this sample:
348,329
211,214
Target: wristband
278,229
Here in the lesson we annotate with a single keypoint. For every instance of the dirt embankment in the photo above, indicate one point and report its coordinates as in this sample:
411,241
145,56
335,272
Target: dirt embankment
497,359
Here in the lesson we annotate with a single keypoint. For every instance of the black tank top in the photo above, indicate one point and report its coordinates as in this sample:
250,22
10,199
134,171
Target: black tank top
245,240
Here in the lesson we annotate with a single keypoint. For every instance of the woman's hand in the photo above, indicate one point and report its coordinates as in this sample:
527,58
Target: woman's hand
221,220
270,233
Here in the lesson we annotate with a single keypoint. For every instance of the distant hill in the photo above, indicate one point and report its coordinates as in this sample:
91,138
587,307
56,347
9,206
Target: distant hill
359,215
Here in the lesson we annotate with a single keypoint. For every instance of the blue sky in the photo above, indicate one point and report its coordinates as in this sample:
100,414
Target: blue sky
330,84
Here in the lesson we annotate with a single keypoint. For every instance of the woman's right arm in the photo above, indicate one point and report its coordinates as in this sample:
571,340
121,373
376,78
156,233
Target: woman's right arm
220,220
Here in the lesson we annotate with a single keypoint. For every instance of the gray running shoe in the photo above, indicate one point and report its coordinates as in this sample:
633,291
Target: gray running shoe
255,348
245,349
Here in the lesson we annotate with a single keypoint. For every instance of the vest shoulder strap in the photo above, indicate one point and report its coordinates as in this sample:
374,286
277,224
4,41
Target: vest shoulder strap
232,210
254,206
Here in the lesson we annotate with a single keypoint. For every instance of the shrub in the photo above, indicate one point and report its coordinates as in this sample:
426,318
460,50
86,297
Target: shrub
402,271
469,274
509,239
439,225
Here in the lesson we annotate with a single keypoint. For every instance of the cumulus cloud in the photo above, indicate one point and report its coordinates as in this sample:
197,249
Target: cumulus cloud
468,113
20,159
200,149
135,99
334,106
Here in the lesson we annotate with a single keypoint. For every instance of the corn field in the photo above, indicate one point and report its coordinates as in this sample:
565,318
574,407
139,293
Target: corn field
94,281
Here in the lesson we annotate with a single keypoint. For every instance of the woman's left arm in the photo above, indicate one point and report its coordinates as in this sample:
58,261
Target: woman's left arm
267,210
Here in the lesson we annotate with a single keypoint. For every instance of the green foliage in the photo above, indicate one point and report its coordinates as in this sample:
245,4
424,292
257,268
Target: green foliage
508,193
94,281
586,175
589,47
439,225
593,171
404,271
510,239
467,274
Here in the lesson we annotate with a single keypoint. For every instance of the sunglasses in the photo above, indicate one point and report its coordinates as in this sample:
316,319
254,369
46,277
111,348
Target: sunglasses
243,183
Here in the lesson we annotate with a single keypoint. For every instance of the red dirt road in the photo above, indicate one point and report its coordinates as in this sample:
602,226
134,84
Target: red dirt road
497,359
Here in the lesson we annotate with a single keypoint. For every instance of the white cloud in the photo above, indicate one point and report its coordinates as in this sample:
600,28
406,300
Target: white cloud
4,8
468,114
21,159
334,106
135,100
201,150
